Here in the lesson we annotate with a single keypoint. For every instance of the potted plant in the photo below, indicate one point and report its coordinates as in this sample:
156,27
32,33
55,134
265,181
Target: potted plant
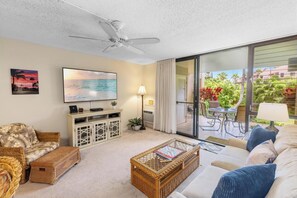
114,104
135,123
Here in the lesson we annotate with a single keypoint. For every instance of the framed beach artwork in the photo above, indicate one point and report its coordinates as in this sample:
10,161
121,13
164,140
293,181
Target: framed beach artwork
82,85
24,81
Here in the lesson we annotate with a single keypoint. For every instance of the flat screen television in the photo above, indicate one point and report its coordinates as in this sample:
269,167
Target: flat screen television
88,85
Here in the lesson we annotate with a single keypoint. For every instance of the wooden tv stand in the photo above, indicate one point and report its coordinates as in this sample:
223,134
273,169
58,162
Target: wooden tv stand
89,128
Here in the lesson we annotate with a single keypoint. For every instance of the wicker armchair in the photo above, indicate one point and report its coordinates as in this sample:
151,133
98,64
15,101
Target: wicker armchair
19,152
14,168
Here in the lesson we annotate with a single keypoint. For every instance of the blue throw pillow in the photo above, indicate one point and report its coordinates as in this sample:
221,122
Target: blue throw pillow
246,182
259,135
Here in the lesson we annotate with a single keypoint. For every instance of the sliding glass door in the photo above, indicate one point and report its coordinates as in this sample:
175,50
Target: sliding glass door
222,89
218,94
186,90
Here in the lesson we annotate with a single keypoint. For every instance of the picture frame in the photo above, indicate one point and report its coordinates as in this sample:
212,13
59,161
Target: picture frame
73,109
24,81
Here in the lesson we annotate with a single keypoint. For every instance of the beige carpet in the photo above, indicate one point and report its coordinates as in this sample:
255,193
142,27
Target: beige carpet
104,171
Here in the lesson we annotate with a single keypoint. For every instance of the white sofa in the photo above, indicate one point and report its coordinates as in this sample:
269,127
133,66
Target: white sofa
234,156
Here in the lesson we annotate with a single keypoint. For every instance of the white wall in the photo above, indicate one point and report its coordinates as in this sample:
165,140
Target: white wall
149,81
46,111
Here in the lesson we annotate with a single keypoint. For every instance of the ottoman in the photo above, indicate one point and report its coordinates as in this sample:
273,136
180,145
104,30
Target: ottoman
51,166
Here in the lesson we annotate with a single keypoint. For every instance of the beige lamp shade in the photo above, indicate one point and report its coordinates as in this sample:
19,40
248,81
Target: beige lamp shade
273,112
141,90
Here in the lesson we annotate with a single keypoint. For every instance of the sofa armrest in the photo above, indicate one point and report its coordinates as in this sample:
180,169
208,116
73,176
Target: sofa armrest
177,195
17,152
48,136
225,165
237,143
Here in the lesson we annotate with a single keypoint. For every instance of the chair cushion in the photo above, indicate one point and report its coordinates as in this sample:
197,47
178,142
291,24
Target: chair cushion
14,140
205,183
246,182
38,150
262,154
5,180
286,138
259,135
286,175
19,131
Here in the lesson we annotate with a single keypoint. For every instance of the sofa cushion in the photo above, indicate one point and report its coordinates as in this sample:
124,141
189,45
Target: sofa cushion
246,182
262,154
285,184
239,143
205,183
259,135
38,150
286,138
228,163
234,152
5,180
176,194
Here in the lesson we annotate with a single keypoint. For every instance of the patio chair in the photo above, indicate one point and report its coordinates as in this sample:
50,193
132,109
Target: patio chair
214,104
212,119
237,122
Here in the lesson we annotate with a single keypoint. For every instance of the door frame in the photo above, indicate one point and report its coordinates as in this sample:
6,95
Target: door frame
195,99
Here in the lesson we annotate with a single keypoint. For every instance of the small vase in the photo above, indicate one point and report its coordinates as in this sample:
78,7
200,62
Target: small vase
114,107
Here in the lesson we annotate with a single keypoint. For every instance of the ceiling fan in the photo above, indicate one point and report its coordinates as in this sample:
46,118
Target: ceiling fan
117,39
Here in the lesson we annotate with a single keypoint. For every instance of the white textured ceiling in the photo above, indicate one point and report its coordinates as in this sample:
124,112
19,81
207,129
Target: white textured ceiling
185,27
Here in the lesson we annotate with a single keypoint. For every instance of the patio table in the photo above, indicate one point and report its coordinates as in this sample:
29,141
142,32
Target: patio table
224,112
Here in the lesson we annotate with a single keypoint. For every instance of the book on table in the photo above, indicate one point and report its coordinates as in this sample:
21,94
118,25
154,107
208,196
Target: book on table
168,152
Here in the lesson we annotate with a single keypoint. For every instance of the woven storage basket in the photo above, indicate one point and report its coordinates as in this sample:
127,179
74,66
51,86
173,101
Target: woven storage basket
14,168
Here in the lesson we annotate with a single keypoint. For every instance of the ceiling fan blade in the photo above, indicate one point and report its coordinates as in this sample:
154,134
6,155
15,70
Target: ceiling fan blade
88,38
139,41
109,48
92,13
109,29
133,49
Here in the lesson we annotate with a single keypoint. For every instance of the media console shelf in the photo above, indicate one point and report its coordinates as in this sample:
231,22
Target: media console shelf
88,128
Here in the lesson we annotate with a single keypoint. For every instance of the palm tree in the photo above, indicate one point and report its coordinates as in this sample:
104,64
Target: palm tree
222,76
258,72
235,77
16,73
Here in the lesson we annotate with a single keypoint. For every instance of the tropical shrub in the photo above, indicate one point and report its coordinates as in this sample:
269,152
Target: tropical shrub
208,93
229,92
273,90
269,90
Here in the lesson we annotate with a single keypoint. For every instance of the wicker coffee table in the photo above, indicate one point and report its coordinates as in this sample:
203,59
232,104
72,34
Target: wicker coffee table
157,177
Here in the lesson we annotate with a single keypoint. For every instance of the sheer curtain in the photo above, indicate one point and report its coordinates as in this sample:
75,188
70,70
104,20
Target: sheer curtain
165,109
